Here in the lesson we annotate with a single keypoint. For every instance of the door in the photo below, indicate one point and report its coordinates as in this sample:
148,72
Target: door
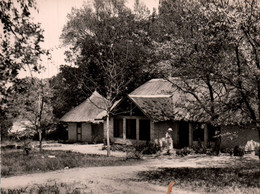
183,134
79,132
144,130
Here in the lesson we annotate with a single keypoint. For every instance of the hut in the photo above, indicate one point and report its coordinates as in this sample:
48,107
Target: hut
82,123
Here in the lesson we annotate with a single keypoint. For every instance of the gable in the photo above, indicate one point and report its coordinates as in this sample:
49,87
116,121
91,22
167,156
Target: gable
86,111
156,108
126,107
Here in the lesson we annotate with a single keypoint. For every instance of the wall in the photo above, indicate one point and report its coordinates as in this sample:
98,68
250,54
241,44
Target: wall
238,135
72,132
86,132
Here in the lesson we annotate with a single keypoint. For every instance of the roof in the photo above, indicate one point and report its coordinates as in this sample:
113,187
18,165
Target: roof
154,87
161,100
88,110
157,108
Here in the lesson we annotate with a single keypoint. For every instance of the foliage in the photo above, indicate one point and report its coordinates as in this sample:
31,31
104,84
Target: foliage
20,40
213,48
16,162
46,188
109,49
146,148
239,151
31,106
67,93
207,179
184,151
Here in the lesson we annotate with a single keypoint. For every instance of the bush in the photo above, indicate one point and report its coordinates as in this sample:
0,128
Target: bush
147,148
239,151
184,151
111,140
55,188
199,149
227,151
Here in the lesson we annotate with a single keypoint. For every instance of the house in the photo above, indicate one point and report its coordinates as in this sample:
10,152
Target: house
82,125
147,112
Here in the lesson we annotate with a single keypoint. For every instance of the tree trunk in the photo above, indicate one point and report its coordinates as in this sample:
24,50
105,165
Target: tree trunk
108,136
40,139
258,129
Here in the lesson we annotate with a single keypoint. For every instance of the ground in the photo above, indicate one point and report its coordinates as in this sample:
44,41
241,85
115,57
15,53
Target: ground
119,179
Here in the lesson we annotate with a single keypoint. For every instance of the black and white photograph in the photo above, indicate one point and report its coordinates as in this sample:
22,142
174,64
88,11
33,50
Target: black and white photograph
130,96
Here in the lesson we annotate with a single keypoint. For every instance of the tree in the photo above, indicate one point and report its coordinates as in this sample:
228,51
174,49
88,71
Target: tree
32,104
212,46
109,48
20,47
193,47
244,70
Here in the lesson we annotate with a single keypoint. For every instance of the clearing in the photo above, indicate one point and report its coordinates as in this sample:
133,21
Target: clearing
136,178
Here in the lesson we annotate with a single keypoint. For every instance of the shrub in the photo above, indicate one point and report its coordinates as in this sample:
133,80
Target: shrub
239,151
147,148
184,151
111,140
228,151
199,149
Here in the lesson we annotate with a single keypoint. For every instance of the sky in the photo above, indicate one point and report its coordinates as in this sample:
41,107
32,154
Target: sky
52,14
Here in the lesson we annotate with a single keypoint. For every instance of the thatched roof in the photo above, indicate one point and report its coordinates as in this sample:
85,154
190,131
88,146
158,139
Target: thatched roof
159,100
157,108
86,111
159,87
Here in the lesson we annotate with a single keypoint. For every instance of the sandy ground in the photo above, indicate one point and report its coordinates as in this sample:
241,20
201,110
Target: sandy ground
116,179
85,149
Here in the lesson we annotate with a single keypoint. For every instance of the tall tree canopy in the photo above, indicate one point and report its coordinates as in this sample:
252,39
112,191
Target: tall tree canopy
216,45
20,47
109,48
31,103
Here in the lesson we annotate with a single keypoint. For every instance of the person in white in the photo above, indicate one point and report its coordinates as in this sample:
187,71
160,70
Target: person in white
169,141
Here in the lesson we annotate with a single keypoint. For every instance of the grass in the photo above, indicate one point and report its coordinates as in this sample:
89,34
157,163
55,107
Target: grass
15,162
46,189
208,179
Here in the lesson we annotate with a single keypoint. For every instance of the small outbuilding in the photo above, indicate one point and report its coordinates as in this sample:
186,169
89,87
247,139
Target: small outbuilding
82,123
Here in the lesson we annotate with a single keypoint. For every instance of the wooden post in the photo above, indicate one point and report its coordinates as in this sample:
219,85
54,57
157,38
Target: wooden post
190,134
124,128
152,131
108,136
206,135
137,129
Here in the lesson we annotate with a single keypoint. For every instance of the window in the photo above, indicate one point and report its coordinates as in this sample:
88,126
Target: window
198,132
118,128
79,131
144,129
130,128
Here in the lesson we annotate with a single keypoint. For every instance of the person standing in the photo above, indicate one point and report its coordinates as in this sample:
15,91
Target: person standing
169,141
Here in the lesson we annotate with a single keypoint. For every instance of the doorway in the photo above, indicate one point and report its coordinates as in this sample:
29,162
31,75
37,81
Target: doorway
183,134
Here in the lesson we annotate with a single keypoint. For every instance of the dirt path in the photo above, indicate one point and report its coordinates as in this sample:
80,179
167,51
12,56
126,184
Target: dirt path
91,180
117,179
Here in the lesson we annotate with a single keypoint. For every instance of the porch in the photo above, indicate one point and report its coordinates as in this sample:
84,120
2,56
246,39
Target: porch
132,129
